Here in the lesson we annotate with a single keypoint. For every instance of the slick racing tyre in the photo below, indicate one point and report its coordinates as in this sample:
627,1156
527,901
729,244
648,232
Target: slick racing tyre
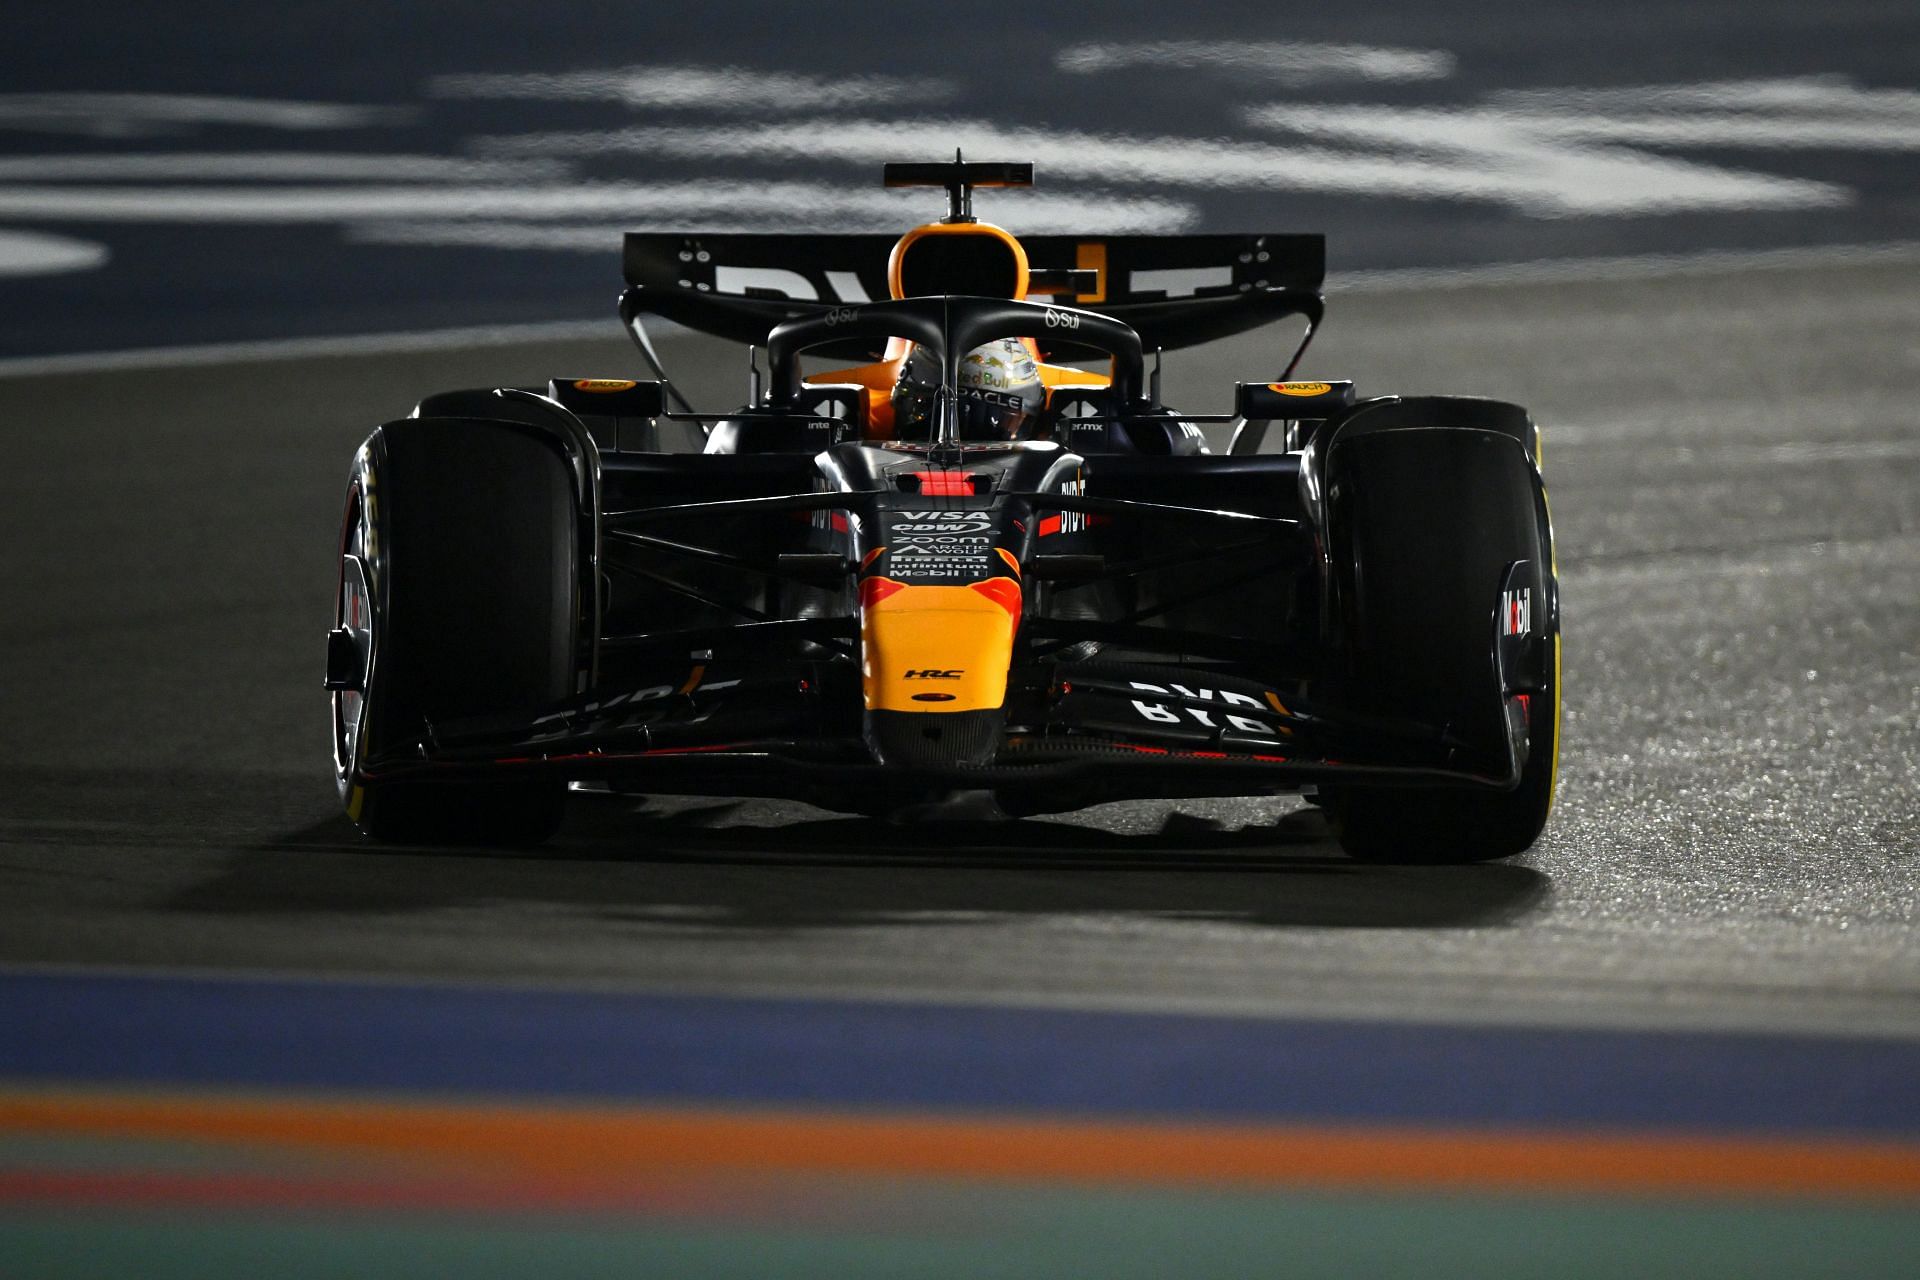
1426,524
459,589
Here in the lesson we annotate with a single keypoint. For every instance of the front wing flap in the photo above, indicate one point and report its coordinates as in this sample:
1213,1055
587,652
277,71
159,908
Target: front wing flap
1078,734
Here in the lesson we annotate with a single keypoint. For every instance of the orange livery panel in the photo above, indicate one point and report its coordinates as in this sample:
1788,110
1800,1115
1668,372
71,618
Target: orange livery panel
951,641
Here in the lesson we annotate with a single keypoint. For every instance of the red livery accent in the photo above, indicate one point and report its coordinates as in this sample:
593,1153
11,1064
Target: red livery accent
944,484
875,589
1004,592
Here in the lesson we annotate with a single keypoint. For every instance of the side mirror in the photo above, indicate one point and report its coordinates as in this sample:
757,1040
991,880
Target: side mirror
842,401
1266,401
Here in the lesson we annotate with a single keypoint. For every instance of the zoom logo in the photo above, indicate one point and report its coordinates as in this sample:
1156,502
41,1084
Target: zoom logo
1062,319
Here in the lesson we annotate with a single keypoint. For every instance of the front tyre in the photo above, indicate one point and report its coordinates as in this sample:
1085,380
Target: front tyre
1427,523
458,598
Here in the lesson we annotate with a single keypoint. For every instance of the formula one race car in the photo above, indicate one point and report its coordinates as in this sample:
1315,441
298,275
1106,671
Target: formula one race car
963,573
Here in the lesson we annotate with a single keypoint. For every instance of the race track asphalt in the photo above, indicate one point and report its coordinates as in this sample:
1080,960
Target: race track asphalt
1735,475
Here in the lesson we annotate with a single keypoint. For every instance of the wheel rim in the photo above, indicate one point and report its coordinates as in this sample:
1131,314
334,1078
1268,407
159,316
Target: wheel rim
353,610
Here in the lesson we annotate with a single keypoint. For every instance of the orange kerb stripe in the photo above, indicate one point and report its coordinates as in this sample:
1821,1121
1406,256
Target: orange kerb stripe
620,1142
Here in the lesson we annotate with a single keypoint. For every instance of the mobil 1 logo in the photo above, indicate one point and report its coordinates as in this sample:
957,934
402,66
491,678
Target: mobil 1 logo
939,546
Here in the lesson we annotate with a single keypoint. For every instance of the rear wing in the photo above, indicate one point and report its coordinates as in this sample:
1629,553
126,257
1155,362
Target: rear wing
1175,291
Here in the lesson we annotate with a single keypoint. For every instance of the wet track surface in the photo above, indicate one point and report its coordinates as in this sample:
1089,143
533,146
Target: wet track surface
1733,467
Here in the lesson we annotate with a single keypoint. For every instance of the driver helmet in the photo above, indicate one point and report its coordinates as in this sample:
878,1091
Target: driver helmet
1000,395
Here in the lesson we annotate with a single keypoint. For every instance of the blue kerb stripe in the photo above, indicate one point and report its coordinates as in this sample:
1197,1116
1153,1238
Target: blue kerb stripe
161,1031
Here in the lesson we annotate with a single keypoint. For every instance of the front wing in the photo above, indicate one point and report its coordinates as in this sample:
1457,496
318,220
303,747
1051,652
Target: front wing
1078,734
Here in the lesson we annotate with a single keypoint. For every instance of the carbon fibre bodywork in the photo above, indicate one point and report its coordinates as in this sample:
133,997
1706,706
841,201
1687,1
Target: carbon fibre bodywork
1176,632
1099,609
